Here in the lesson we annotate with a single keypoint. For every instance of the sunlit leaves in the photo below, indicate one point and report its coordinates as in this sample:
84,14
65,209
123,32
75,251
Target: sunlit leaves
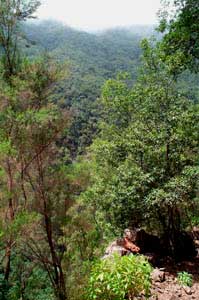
140,165
119,278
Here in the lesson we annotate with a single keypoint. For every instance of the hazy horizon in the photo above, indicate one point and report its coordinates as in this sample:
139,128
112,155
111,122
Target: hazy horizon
95,15
131,27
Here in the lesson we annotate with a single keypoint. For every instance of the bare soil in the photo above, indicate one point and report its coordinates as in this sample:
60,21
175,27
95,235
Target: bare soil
170,289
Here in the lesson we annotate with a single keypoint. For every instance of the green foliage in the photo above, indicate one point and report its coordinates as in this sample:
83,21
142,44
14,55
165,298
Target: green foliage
142,169
30,128
22,224
185,279
28,281
117,51
119,278
91,59
145,161
4,288
182,32
12,13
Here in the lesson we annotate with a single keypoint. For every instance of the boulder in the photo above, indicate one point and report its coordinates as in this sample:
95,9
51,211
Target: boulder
158,276
122,246
127,244
113,248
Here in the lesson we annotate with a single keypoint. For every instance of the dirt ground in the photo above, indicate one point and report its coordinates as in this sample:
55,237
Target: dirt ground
169,288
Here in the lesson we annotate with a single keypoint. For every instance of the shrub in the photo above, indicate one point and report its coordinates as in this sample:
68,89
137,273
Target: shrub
119,278
185,279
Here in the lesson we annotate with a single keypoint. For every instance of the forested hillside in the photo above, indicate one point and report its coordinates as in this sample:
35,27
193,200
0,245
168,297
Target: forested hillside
99,158
91,59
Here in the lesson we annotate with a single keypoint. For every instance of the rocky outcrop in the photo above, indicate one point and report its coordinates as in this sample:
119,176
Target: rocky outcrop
182,248
115,247
122,246
154,248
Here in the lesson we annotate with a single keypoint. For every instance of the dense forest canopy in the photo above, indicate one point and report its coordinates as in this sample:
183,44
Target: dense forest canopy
98,132
91,60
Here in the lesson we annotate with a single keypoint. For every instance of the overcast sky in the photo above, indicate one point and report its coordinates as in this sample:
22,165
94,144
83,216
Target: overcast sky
100,14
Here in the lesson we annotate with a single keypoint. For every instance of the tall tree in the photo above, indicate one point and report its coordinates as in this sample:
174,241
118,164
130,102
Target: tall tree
145,164
12,14
31,166
30,158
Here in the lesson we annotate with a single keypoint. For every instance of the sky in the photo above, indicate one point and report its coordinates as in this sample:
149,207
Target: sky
100,14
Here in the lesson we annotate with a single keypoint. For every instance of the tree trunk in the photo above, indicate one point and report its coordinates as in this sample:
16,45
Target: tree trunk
10,217
7,261
59,280
172,231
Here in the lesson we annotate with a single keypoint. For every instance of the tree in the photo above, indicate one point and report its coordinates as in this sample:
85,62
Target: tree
33,178
12,14
181,32
30,129
145,168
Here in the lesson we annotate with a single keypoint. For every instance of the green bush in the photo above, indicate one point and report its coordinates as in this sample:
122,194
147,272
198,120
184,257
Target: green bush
119,278
185,279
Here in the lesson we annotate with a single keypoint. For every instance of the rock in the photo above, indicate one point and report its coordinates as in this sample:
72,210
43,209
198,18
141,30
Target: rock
193,290
196,243
129,245
154,297
187,290
157,284
115,248
130,234
173,297
122,246
195,233
158,276
162,269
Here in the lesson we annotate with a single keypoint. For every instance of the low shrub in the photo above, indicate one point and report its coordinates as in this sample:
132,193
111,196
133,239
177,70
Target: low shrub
119,278
185,279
